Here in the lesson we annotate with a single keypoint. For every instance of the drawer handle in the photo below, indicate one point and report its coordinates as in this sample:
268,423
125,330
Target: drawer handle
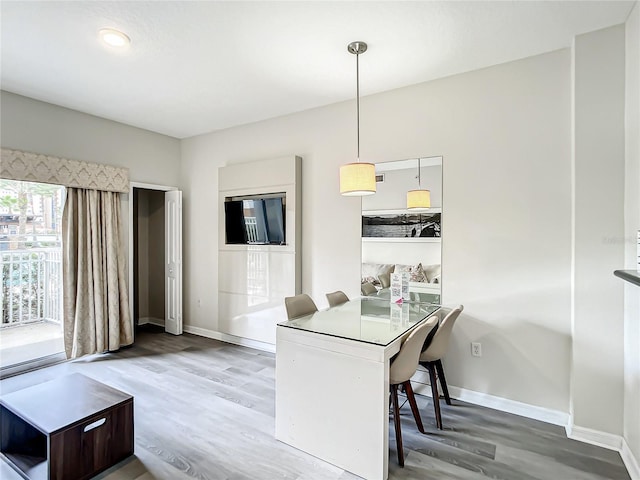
96,424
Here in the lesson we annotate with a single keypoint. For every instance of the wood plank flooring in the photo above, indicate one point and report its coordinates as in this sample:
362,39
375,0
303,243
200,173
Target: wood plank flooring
205,410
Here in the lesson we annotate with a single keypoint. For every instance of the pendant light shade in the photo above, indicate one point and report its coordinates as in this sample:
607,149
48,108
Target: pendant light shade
357,179
418,199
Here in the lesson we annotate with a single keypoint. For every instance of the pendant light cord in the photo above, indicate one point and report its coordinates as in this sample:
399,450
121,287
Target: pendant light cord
419,184
358,102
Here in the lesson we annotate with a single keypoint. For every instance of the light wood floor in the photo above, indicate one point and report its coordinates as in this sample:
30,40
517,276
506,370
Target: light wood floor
205,410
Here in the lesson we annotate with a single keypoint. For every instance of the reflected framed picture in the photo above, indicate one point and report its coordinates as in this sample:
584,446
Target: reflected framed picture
402,224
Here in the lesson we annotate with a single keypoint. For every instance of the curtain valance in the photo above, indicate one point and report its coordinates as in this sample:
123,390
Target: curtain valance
35,167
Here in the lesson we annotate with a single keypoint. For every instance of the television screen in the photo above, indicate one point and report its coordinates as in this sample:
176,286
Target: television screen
255,219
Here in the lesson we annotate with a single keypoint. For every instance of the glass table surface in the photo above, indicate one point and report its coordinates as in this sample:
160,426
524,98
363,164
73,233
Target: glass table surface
366,319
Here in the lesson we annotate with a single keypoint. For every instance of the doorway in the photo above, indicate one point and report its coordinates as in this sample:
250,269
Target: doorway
155,257
148,254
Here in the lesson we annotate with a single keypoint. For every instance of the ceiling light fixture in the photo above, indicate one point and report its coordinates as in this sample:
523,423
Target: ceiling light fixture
357,179
114,38
418,199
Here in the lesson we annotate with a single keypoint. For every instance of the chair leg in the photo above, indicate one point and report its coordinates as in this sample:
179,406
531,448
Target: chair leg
396,423
434,393
414,406
443,381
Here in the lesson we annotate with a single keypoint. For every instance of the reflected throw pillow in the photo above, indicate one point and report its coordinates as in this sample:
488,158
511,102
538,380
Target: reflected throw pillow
385,280
432,272
416,272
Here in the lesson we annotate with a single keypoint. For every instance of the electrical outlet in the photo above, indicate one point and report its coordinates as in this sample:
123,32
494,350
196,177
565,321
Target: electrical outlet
476,349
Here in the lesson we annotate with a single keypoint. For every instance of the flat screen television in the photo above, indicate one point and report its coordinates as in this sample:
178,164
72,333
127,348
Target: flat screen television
255,219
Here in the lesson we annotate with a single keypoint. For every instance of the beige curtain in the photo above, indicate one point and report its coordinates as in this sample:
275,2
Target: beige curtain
96,303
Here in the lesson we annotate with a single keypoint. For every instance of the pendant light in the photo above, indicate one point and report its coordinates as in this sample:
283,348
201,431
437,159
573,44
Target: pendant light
359,178
418,199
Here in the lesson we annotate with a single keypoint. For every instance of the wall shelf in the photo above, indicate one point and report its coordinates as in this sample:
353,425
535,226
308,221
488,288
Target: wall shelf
632,276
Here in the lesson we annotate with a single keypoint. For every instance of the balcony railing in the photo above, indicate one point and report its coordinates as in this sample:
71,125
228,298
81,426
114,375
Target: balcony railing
31,281
251,226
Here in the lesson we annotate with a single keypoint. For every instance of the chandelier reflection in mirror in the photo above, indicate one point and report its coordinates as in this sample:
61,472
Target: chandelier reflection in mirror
418,199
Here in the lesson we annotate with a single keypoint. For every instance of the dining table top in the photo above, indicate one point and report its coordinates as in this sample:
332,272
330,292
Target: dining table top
365,319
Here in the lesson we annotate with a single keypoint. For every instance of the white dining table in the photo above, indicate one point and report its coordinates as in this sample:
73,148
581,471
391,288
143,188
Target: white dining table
332,381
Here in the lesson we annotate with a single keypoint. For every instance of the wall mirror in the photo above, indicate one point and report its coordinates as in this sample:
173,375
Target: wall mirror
397,239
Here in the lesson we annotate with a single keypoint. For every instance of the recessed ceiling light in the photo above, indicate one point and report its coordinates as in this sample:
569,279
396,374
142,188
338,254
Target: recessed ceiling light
114,38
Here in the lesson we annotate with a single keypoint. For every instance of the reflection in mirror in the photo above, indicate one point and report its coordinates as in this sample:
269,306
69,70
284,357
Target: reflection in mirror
398,240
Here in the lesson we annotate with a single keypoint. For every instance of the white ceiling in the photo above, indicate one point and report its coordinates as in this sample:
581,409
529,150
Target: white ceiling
195,67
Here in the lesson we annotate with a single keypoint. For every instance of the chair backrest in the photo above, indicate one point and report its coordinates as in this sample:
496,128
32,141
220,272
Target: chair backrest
367,288
405,363
337,298
440,342
299,306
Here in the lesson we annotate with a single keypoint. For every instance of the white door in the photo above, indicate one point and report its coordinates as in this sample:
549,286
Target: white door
173,261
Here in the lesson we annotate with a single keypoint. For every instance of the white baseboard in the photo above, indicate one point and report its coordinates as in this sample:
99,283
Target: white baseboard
151,320
631,462
609,441
245,342
547,415
594,437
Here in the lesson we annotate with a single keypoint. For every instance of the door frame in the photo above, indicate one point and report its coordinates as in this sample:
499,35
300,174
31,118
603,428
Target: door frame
145,186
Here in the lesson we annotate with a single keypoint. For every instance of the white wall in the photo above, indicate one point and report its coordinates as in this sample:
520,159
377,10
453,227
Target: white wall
598,179
330,246
632,226
34,126
402,252
501,131
40,127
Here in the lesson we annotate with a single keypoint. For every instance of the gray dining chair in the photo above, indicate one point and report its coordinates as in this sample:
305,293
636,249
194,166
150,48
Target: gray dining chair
337,298
403,367
431,359
299,306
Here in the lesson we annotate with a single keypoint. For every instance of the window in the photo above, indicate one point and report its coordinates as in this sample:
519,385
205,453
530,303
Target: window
31,271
